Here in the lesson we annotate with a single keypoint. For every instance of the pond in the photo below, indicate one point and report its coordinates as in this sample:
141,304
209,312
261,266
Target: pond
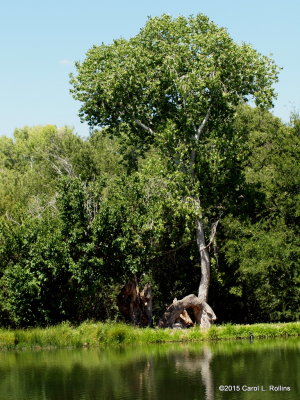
211,371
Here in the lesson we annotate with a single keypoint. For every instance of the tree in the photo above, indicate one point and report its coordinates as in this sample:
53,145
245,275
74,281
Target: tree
260,239
175,85
48,197
32,162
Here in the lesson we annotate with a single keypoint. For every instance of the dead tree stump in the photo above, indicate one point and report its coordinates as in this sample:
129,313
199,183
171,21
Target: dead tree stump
176,311
136,306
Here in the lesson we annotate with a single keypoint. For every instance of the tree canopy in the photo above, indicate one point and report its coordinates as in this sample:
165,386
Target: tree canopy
174,69
176,85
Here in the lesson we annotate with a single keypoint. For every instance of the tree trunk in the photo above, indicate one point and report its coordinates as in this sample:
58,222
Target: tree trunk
146,301
204,261
203,313
205,318
134,305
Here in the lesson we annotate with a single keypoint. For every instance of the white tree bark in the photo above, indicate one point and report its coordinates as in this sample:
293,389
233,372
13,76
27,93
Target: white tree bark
198,132
174,311
204,261
205,317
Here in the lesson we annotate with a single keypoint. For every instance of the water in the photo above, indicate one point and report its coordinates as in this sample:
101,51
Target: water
235,370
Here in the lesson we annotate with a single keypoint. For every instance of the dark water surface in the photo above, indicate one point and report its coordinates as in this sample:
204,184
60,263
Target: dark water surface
227,370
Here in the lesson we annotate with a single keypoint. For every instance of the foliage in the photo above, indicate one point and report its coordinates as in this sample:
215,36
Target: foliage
175,87
173,70
160,86
69,260
79,217
262,243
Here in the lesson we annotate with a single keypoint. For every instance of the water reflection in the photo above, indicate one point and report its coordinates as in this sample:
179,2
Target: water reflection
198,364
153,372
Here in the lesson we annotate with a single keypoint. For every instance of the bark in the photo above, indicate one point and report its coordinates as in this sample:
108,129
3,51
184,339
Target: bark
175,315
134,305
147,128
203,313
174,311
184,320
204,316
205,261
146,300
198,132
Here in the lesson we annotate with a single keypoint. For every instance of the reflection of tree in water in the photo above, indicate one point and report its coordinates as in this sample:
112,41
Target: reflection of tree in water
206,373
135,375
148,373
200,362
177,375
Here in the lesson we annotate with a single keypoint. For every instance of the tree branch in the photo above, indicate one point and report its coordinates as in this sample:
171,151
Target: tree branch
212,234
202,125
177,248
198,132
147,128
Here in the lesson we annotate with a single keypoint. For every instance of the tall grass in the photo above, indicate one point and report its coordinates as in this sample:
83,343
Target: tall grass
107,334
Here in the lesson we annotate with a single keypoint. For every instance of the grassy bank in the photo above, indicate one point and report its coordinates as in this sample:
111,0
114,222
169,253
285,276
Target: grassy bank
95,334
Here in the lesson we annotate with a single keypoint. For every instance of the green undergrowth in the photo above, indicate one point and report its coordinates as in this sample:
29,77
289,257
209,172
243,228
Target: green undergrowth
97,334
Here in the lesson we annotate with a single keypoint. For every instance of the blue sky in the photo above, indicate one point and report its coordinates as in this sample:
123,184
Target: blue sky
40,41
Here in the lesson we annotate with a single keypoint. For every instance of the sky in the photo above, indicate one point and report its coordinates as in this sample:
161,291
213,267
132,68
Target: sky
41,40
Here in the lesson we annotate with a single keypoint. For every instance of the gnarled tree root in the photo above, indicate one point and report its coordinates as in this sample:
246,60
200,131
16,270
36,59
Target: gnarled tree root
204,315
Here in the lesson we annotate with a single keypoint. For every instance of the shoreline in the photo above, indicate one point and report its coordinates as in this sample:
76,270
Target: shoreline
97,334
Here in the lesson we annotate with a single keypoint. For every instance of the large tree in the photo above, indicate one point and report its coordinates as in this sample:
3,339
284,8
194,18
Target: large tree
176,85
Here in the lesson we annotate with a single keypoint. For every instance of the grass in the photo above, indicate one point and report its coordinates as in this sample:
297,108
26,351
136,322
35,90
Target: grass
107,334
